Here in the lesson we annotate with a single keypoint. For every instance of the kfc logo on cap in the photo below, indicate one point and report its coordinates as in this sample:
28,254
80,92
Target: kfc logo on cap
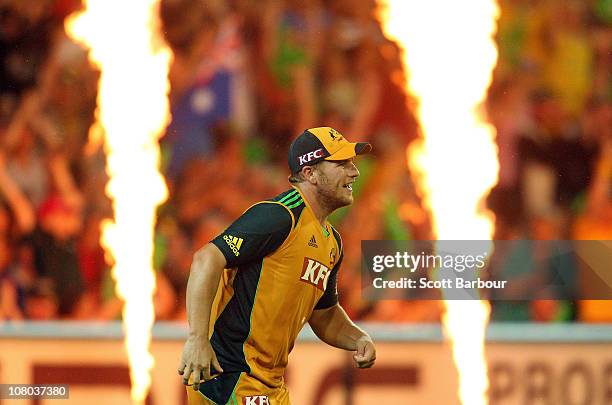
307,157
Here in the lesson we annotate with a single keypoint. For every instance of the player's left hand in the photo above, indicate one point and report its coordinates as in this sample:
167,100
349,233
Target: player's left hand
365,356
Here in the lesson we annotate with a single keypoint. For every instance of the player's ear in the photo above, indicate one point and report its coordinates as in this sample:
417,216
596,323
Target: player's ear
309,175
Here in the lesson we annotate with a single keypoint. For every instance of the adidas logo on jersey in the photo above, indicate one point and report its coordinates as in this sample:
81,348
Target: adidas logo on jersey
256,400
313,242
315,273
234,243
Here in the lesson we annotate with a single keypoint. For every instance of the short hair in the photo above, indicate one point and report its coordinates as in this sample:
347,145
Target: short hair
298,177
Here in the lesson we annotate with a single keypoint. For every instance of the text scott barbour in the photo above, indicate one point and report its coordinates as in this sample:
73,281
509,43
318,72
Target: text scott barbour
424,282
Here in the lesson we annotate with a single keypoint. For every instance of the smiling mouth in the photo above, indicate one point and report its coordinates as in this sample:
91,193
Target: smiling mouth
349,186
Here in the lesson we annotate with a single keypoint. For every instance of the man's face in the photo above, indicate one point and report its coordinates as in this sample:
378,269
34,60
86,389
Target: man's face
335,182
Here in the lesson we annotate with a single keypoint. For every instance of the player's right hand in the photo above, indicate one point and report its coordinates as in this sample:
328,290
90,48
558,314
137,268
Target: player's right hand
365,355
196,360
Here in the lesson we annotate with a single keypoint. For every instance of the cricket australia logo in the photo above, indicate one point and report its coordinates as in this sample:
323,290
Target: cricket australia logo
332,257
234,243
334,135
315,273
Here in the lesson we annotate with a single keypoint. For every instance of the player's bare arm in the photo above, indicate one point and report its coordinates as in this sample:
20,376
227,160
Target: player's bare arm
198,357
333,326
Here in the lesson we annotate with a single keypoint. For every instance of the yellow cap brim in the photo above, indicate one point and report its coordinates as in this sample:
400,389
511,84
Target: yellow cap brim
351,149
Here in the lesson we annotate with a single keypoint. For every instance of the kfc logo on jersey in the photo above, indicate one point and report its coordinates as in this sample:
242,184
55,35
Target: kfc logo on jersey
256,400
307,157
315,273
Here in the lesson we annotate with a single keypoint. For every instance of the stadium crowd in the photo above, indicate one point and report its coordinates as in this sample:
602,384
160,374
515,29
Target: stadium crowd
248,76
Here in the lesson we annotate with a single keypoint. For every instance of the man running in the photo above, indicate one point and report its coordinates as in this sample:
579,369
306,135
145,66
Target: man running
282,258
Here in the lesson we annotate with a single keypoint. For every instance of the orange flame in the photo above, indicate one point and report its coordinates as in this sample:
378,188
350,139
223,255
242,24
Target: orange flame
449,55
132,112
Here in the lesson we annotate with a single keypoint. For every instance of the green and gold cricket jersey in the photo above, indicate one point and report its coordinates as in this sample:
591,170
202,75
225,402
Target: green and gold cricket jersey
282,265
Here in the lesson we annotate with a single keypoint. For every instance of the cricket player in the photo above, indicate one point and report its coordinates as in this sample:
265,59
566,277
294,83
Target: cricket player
252,289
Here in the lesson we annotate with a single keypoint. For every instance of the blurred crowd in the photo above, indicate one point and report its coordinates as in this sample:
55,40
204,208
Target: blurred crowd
246,77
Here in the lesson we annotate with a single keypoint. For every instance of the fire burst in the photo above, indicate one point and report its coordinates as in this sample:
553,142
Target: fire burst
449,57
132,113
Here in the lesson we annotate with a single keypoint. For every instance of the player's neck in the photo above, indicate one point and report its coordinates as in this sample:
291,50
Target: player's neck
320,211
